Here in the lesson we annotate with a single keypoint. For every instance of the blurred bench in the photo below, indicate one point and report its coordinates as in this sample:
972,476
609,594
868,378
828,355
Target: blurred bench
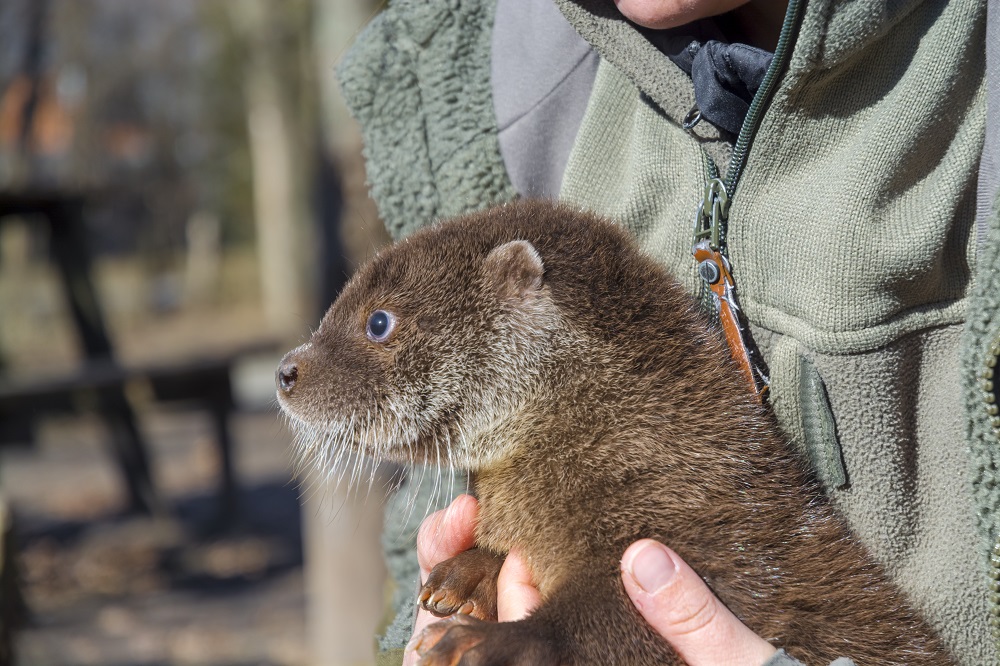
102,386
63,211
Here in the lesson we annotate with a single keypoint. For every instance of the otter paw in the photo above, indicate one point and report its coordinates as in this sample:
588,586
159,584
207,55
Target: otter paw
465,584
462,640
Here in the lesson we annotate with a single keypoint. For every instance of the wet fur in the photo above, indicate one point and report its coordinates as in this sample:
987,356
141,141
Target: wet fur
595,405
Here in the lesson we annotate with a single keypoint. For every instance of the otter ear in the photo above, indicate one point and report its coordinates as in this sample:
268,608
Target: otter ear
515,270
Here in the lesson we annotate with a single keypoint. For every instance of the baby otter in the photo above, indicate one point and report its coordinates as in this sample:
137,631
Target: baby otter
539,348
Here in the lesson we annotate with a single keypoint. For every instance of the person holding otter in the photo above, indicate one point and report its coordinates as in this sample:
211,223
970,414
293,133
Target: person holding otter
843,144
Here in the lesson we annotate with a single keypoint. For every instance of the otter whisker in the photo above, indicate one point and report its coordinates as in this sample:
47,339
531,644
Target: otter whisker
363,447
451,468
340,464
341,461
435,489
416,492
354,457
373,462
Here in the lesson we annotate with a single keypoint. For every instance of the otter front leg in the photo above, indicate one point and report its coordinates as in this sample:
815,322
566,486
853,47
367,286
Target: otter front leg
586,621
465,584
464,640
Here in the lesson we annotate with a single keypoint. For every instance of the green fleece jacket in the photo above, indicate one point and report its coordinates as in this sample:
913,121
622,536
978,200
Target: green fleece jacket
851,233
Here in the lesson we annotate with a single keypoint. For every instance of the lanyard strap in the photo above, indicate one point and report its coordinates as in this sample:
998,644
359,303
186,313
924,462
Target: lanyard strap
714,268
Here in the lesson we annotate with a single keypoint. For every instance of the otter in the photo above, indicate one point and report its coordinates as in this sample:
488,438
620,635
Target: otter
538,347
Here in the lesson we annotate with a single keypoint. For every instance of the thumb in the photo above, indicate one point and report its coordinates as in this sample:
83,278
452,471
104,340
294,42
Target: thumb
680,607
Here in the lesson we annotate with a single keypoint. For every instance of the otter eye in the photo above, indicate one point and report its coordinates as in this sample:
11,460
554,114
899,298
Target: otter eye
380,325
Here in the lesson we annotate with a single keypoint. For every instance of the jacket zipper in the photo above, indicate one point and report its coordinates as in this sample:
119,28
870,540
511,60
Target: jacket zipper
782,54
711,220
755,114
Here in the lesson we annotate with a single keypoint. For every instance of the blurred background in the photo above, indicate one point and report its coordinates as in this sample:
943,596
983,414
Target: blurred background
181,196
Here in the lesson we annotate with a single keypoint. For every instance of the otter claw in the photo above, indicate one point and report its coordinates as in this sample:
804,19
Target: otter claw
465,584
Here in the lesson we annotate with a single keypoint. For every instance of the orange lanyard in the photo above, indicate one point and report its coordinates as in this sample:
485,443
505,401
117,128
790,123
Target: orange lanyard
713,266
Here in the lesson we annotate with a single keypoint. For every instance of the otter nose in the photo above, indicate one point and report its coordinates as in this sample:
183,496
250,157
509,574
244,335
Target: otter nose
288,373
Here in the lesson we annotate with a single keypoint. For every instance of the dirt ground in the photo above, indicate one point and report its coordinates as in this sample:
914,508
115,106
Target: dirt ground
105,588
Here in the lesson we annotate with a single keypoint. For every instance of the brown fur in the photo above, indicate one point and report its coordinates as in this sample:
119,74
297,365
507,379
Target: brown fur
596,406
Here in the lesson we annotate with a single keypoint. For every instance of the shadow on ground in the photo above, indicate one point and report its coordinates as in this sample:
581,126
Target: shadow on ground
107,588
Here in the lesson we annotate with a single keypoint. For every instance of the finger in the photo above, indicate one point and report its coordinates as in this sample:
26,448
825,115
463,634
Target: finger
442,535
446,533
681,608
516,592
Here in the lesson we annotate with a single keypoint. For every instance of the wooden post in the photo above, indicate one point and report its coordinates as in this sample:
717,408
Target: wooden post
344,573
277,211
343,557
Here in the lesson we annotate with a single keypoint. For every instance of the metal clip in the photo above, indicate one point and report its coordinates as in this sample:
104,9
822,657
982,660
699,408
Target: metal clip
712,212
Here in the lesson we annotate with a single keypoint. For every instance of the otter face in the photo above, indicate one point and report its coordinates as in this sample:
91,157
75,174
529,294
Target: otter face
427,351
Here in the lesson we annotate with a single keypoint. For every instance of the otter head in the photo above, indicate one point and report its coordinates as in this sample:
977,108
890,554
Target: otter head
428,350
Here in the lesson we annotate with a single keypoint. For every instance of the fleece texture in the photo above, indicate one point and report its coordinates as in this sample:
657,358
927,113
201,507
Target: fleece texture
418,81
883,425
613,170
981,366
981,343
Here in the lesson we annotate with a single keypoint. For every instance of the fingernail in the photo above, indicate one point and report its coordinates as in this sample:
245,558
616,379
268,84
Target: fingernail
449,513
454,507
652,568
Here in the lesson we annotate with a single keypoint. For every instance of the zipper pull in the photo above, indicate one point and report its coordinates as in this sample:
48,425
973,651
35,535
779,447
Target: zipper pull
712,214
715,272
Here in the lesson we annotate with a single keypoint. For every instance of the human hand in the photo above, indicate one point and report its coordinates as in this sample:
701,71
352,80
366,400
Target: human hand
680,607
665,590
446,533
